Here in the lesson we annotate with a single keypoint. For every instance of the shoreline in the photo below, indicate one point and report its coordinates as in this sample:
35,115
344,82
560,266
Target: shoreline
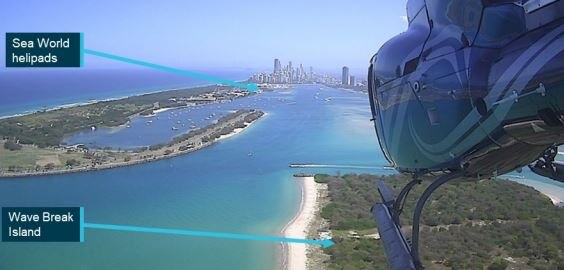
294,254
6,175
545,189
239,130
555,200
97,100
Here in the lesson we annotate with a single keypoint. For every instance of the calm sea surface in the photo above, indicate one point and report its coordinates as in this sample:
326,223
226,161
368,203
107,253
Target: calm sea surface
28,90
240,185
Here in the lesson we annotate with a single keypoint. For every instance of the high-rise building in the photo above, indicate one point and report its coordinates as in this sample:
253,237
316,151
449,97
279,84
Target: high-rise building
290,72
351,80
345,76
310,72
277,66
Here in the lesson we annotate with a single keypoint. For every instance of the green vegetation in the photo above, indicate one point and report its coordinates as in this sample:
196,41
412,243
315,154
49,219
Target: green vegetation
72,162
48,128
12,146
212,131
321,178
489,224
33,160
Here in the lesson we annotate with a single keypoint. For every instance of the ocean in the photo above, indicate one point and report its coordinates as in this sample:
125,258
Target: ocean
28,90
220,188
242,184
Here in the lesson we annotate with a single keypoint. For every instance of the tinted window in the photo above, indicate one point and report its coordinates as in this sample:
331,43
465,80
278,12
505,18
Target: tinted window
401,49
500,25
455,23
413,7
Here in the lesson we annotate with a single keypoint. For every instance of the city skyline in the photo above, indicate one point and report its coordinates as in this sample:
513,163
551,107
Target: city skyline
288,74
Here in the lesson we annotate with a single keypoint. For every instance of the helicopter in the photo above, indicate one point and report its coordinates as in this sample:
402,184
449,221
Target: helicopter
472,88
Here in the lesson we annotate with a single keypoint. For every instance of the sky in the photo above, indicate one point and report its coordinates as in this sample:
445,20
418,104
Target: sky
217,33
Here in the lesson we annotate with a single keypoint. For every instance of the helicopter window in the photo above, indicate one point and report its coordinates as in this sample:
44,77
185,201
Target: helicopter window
500,25
414,7
455,24
394,54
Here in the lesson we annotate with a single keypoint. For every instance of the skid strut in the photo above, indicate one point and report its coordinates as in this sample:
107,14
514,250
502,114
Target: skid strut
400,253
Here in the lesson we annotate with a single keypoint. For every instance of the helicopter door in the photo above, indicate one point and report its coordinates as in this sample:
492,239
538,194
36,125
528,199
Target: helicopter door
442,84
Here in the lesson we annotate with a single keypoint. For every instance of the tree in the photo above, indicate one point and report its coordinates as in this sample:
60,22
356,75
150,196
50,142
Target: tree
49,166
72,162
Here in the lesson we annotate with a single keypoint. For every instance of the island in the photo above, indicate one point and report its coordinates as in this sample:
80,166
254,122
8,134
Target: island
32,144
487,224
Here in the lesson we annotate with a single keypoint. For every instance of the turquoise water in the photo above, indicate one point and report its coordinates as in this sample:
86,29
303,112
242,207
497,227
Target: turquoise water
29,90
220,188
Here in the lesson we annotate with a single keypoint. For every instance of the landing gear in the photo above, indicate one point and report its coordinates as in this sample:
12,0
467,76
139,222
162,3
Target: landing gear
546,165
401,253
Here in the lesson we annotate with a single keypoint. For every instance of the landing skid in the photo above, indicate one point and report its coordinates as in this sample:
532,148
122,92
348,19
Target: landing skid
547,166
401,253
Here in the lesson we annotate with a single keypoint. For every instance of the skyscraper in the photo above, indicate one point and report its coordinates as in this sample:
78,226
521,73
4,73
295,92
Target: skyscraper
290,72
351,80
345,77
277,66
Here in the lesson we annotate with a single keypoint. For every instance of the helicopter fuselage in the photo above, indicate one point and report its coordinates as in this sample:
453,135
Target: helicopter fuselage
470,86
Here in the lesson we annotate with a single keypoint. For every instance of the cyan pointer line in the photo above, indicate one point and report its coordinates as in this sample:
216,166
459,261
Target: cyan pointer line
324,243
251,87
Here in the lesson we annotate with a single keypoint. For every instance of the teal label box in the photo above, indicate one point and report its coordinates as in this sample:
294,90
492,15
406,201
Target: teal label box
44,49
42,224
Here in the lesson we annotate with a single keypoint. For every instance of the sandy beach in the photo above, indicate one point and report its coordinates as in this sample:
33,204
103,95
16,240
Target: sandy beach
239,130
168,151
555,200
298,226
552,191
